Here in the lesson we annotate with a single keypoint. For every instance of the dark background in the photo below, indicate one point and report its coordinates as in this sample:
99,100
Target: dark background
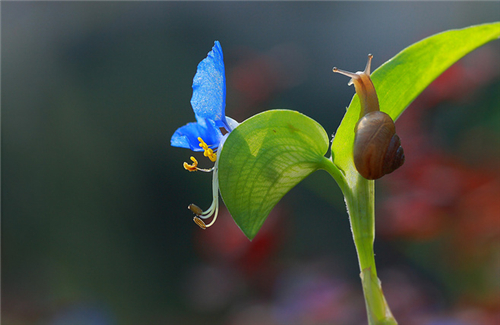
95,228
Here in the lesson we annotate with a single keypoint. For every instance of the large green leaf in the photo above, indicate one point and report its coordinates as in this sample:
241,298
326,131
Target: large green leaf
265,157
401,79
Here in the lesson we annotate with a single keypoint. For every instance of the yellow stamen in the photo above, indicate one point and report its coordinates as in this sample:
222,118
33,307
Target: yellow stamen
208,152
200,223
193,167
214,207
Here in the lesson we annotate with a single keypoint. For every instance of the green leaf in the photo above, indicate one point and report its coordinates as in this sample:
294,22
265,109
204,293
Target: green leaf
401,79
265,157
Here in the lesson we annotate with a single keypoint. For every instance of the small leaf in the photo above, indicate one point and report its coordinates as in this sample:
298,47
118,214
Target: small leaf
265,157
401,79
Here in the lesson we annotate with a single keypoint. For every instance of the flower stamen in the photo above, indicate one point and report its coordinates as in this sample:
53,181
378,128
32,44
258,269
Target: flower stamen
208,152
213,210
193,167
200,223
195,209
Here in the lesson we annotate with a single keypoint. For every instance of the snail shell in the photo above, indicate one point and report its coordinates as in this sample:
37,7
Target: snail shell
377,148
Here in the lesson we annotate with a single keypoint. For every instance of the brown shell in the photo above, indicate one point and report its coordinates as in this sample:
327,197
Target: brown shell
377,148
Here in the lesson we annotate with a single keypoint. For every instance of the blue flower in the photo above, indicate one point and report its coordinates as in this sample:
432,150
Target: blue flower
209,104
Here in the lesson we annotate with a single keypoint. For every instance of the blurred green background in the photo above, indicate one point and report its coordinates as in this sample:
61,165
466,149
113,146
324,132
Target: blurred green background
95,228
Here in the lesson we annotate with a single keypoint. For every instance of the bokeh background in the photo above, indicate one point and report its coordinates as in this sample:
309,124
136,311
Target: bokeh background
95,228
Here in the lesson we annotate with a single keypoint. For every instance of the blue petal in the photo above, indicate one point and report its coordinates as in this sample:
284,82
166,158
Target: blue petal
187,136
209,88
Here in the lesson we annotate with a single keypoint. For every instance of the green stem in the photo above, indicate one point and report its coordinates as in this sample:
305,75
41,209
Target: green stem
360,200
360,206
332,169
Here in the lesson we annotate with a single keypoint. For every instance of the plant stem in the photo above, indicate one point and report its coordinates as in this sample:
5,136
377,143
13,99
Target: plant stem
360,204
359,196
360,200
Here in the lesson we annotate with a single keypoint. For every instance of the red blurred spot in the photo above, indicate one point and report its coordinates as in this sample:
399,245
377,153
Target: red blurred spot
225,243
258,77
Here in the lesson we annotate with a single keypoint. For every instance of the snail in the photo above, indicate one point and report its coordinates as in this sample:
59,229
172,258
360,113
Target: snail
377,148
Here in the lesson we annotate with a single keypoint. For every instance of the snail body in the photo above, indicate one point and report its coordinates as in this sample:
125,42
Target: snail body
377,148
